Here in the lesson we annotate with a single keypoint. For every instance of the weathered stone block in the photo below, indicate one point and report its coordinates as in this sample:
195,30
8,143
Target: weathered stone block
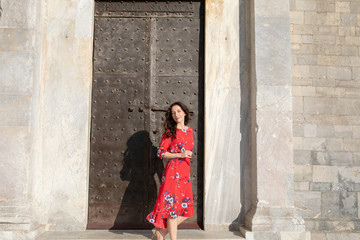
347,31
307,38
348,19
298,118
356,131
306,29
301,186
358,197
356,159
325,131
273,53
16,71
343,131
274,97
348,106
334,119
301,71
348,204
16,39
315,18
305,5
322,6
307,204
338,72
343,7
294,48
321,82
267,235
320,105
306,59
7,235
347,182
295,39
296,17
354,7
314,144
330,204
317,71
349,51
350,174
347,84
320,39
341,158
325,174
298,130
18,14
331,225
329,92
326,50
295,236
320,158
333,18
318,236
293,57
292,5
329,60
14,109
351,40
310,130
297,143
342,235
306,49
352,92
312,118
328,30
302,157
316,186
351,145
302,173
15,153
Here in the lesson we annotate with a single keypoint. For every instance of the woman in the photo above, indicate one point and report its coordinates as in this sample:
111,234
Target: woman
174,203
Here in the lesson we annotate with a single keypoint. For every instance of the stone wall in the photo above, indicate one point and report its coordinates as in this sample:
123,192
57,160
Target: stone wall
325,41
18,72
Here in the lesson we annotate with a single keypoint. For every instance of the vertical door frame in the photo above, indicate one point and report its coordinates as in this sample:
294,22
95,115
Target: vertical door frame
204,109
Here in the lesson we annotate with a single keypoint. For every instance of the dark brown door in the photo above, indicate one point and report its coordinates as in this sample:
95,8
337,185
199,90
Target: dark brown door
146,56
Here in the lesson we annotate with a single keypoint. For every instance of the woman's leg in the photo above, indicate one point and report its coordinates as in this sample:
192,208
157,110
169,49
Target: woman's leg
165,231
172,228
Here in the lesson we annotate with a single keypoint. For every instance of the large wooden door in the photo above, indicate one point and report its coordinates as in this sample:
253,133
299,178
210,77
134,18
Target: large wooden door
146,56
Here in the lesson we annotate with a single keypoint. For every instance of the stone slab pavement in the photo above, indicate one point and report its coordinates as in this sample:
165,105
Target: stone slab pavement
138,235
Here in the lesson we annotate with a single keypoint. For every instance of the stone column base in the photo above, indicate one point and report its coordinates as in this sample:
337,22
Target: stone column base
275,223
281,235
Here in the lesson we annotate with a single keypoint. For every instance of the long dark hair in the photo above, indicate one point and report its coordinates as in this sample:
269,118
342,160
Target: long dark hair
170,124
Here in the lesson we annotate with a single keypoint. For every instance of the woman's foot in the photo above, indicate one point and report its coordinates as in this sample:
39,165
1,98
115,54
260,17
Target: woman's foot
159,233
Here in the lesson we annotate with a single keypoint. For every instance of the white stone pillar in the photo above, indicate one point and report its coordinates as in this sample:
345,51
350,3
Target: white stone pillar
222,115
272,215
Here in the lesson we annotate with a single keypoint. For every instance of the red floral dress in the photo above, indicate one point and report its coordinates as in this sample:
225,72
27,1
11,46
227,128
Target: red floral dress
175,195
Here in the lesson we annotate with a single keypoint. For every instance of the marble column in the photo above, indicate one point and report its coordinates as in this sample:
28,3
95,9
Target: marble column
272,214
222,115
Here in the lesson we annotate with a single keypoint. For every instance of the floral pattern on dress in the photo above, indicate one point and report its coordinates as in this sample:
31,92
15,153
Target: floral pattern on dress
175,195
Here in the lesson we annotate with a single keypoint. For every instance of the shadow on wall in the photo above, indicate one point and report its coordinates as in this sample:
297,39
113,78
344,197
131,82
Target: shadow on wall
245,110
0,9
139,167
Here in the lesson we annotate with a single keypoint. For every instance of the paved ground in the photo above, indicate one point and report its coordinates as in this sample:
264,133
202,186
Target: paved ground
137,235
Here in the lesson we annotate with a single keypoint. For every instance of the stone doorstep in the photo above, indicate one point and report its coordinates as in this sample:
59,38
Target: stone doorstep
281,235
138,235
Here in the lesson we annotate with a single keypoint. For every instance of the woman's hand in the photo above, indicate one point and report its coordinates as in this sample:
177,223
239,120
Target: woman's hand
186,154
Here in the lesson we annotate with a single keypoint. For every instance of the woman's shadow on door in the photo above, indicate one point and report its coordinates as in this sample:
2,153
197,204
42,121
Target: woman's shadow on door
142,169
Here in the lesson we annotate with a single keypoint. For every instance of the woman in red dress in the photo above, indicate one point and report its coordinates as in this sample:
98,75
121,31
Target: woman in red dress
174,203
